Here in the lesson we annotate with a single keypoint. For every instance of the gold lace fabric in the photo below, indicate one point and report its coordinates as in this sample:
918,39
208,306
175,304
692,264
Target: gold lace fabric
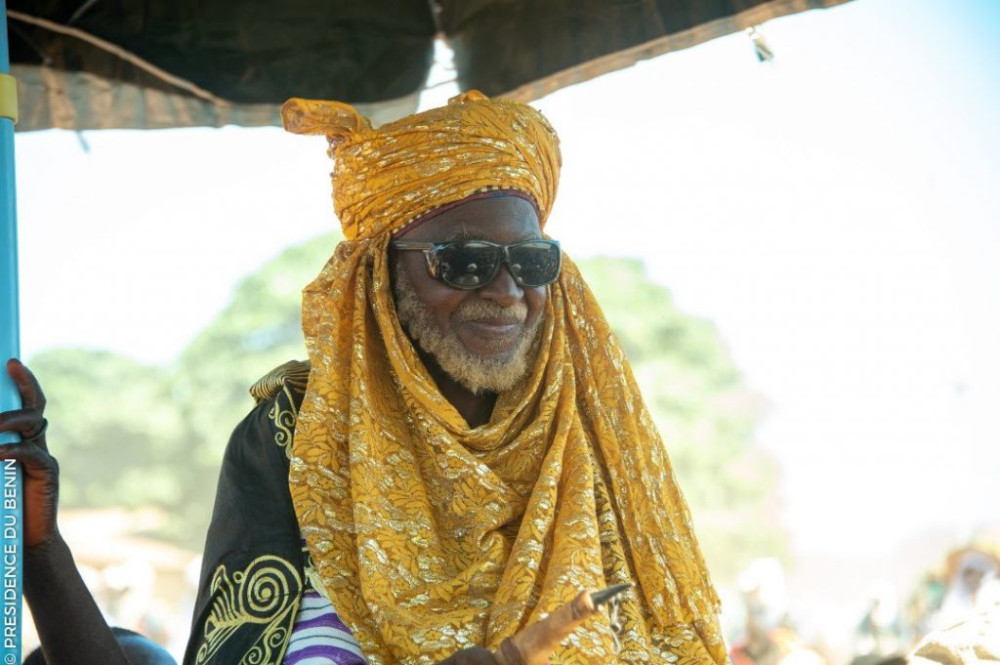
430,536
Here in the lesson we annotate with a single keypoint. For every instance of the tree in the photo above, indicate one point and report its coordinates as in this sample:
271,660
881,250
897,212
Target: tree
159,432
704,411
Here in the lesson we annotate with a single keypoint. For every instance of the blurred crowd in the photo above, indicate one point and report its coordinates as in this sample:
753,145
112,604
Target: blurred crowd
950,615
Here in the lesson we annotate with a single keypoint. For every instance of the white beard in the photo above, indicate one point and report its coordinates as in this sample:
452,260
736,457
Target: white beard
472,371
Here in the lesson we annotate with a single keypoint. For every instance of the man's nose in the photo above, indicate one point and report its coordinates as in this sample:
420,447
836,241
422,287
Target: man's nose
502,289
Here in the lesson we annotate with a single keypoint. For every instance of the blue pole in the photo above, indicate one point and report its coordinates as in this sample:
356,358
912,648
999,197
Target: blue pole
11,544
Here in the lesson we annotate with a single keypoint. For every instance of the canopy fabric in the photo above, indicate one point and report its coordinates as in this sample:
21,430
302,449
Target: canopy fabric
144,64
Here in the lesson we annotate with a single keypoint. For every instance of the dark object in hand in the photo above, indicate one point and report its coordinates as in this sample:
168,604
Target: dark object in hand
534,644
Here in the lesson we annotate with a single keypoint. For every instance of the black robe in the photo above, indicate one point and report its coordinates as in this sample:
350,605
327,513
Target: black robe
252,575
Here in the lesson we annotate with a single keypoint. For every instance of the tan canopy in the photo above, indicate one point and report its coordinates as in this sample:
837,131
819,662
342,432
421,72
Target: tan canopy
90,64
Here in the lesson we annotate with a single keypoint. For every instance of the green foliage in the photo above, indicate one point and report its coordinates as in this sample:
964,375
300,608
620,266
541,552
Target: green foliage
704,412
133,435
112,420
259,330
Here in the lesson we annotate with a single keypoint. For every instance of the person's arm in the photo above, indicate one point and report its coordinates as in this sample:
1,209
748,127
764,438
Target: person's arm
69,623
70,626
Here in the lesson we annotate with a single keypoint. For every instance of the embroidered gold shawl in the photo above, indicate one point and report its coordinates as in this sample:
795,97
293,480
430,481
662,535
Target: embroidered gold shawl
430,536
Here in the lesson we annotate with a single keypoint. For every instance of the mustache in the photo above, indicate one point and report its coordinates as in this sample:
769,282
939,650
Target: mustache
478,310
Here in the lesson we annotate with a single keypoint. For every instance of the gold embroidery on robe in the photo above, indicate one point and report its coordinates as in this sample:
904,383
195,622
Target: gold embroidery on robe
292,375
267,592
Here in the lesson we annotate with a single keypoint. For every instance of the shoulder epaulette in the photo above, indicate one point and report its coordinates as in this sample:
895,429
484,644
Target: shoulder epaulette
294,374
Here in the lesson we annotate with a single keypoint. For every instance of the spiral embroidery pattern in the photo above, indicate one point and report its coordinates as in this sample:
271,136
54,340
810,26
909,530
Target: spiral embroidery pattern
266,592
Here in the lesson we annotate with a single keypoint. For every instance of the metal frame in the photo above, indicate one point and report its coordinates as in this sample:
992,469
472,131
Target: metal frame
11,543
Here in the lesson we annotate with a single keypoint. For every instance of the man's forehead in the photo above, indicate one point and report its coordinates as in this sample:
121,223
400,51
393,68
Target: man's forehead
466,233
500,218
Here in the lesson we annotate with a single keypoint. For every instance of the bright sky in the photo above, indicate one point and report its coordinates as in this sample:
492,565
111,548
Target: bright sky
834,212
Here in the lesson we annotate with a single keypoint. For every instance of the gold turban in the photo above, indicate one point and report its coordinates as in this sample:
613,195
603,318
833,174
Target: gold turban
430,536
384,178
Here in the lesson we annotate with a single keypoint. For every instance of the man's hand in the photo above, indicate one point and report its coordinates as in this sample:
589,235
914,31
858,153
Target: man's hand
471,656
41,471
535,643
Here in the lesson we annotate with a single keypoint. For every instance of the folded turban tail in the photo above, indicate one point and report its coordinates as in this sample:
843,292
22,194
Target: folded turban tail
384,178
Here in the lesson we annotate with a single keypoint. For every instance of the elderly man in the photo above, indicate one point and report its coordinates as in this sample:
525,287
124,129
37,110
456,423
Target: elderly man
466,449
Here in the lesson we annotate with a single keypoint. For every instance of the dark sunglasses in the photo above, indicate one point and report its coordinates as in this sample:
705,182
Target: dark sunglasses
471,264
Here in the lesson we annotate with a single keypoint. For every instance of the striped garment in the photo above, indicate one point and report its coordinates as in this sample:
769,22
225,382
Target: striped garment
319,637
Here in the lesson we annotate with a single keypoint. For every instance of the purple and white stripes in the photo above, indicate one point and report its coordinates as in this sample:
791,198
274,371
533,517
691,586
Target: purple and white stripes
319,637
